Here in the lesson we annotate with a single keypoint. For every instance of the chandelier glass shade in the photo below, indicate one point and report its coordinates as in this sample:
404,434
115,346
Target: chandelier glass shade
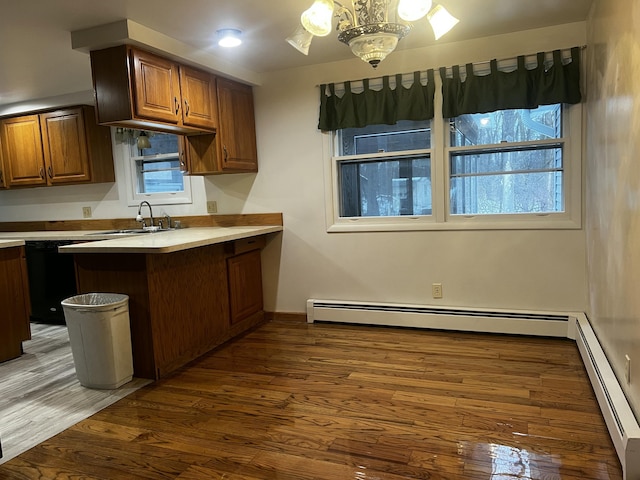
371,28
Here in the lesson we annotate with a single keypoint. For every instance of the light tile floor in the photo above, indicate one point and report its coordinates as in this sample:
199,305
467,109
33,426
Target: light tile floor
40,395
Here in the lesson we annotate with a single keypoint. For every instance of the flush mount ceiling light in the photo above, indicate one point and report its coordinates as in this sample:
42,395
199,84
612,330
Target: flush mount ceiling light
229,37
371,28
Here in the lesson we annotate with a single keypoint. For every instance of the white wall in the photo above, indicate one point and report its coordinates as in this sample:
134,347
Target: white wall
516,269
511,269
613,186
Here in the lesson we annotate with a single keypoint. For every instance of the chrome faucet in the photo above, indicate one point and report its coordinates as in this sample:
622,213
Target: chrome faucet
165,220
139,216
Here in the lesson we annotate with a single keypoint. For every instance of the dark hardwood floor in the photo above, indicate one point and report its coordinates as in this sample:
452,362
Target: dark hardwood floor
297,401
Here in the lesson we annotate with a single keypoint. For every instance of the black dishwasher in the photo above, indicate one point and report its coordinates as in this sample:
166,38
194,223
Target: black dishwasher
51,279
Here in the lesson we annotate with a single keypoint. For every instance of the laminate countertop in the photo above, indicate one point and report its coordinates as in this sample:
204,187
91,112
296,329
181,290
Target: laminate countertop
73,235
170,241
11,243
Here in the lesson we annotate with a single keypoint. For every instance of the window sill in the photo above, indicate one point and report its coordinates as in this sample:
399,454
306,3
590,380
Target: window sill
411,224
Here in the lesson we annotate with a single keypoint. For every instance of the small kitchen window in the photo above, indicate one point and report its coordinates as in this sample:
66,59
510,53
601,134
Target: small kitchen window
154,170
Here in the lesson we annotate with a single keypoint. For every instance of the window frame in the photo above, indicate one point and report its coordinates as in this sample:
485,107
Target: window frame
158,198
441,218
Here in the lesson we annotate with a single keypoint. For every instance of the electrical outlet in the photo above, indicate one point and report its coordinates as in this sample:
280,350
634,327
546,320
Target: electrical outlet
627,369
436,290
86,212
212,206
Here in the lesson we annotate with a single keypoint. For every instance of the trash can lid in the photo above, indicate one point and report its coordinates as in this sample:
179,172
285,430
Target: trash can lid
95,300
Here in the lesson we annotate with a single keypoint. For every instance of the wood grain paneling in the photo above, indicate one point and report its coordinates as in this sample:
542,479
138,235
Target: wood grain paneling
190,308
326,401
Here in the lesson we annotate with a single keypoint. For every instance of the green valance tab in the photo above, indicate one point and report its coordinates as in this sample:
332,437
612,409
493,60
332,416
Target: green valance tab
521,88
371,106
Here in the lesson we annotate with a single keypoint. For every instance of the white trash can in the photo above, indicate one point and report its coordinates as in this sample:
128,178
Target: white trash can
100,338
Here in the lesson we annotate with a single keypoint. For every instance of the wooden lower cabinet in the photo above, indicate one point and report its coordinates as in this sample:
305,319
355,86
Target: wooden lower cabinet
14,298
179,303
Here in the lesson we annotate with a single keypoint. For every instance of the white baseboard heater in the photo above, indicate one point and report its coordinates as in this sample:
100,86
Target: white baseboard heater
441,318
621,422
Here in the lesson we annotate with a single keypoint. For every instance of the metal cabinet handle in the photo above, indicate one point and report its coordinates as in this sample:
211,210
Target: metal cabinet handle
50,171
42,173
226,152
176,104
1,178
186,108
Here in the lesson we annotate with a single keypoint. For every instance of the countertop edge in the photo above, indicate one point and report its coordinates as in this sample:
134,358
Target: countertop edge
169,242
11,243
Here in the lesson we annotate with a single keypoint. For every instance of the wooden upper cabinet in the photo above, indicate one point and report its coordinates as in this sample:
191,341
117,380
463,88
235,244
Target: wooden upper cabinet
138,89
65,146
233,148
56,147
236,140
156,87
199,99
22,151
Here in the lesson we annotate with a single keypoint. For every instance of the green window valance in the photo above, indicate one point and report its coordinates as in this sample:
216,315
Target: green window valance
521,88
374,107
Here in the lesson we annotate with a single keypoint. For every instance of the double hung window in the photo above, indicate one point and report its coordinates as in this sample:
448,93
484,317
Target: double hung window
507,168
155,173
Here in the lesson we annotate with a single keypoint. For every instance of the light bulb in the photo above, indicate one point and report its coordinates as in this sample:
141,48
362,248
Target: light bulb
317,18
143,141
412,10
229,37
441,21
300,39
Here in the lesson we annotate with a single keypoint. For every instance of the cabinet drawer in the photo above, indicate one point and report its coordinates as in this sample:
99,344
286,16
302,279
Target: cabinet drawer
246,245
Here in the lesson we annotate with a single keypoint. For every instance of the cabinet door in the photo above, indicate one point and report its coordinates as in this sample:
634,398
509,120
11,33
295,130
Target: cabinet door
237,131
64,143
156,87
245,285
199,100
22,151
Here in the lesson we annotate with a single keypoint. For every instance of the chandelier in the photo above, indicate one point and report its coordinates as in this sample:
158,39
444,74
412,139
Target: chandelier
371,28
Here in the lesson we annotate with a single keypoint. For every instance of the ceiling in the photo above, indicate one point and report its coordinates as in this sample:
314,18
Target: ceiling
37,59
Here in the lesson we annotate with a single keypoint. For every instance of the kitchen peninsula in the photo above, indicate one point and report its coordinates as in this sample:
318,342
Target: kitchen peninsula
190,290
